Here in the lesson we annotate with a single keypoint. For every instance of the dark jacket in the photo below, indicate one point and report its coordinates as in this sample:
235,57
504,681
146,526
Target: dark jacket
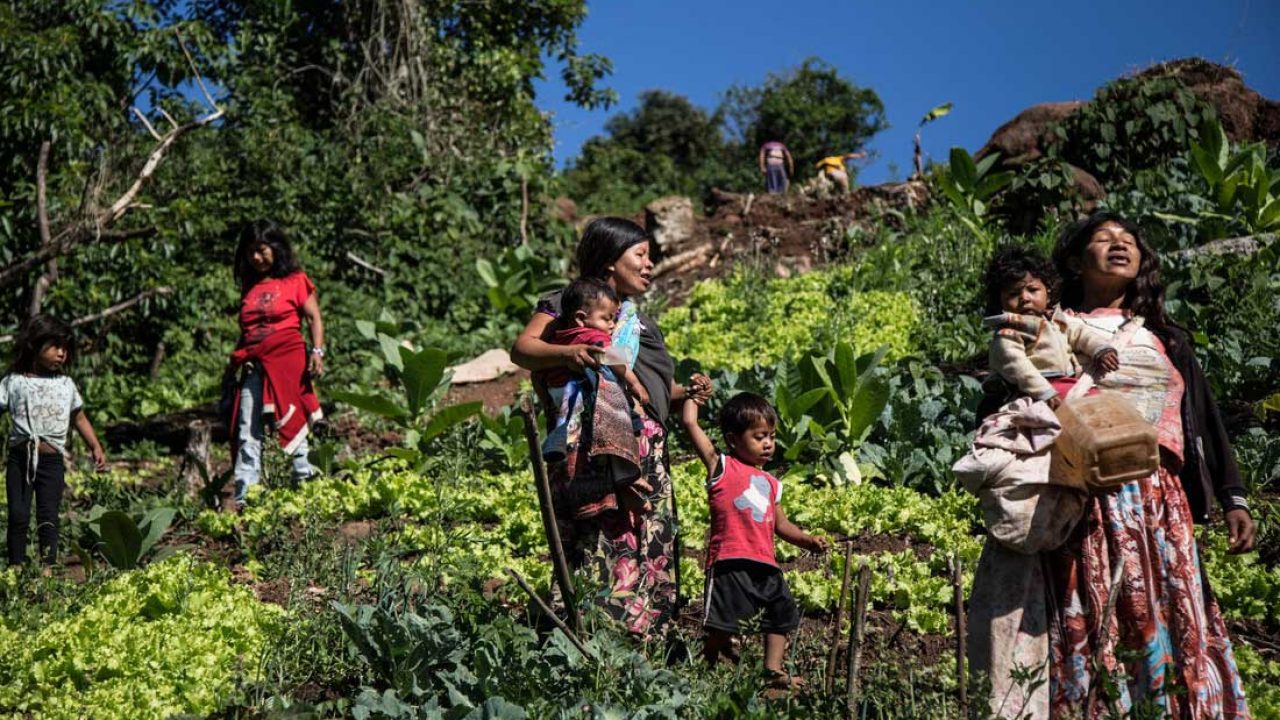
1208,465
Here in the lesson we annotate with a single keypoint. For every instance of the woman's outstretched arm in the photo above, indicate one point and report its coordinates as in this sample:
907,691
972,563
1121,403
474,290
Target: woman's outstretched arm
532,352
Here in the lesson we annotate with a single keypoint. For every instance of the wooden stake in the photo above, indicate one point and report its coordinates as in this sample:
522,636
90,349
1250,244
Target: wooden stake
856,634
559,564
835,626
957,579
524,585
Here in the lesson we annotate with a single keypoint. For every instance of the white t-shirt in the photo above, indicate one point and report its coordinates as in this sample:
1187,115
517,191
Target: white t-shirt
41,407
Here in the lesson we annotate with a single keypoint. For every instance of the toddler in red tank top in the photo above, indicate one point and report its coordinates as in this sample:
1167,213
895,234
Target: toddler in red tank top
743,578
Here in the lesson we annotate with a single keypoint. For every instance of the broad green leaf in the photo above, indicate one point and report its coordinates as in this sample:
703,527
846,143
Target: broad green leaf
1206,162
376,404
992,184
846,367
807,400
448,417
865,407
484,269
984,165
1269,218
154,524
390,351
422,373
963,169
409,455
121,540
367,329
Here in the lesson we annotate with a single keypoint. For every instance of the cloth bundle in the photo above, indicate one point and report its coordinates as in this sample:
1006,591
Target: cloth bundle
595,439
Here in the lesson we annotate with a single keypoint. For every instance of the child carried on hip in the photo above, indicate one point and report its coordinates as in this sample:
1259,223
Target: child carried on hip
1035,344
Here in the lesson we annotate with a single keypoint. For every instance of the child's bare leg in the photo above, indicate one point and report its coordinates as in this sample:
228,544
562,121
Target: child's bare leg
775,649
716,643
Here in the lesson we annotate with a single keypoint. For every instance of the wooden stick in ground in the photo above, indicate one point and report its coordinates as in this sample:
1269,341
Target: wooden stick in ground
958,585
835,626
559,564
856,634
524,585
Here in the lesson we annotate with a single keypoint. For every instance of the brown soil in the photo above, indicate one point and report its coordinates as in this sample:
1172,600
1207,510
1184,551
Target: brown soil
785,234
495,394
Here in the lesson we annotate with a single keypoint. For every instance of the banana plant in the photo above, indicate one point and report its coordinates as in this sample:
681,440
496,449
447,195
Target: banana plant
940,111
1241,186
827,404
970,186
419,379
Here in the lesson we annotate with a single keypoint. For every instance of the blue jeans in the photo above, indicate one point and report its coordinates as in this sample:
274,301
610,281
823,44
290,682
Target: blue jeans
775,179
249,432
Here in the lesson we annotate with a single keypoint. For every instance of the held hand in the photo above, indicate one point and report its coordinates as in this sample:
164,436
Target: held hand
1108,361
99,459
579,357
1241,531
315,365
700,388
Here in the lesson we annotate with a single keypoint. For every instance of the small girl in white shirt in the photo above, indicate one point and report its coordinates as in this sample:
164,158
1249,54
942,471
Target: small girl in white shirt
44,403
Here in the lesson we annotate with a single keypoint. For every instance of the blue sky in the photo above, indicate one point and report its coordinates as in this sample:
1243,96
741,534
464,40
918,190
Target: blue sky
992,58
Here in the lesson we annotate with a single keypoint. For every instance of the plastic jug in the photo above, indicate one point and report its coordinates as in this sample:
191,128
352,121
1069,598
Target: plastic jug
1104,443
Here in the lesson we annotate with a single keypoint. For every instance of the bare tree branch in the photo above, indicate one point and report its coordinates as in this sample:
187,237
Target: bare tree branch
365,264
50,275
64,243
114,309
95,226
147,123
42,193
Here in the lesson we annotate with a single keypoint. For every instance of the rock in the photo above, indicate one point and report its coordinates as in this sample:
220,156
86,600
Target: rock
670,221
1246,116
490,365
1028,134
1091,191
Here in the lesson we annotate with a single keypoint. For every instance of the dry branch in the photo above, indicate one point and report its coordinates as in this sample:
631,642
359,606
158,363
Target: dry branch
50,275
365,264
94,226
114,309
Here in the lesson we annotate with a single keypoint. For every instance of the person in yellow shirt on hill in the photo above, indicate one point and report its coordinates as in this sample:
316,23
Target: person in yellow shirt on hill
834,169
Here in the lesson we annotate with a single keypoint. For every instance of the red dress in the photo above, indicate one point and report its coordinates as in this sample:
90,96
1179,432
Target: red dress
270,327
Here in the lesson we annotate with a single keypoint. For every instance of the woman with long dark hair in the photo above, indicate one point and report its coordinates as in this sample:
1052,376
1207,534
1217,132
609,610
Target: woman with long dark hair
1166,631
632,554
274,366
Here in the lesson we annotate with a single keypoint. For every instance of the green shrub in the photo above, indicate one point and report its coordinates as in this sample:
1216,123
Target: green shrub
170,639
746,320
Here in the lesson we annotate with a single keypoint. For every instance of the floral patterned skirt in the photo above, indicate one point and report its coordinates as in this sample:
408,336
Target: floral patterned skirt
1165,645
630,557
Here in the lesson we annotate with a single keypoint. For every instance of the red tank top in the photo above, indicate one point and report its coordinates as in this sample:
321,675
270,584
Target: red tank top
742,503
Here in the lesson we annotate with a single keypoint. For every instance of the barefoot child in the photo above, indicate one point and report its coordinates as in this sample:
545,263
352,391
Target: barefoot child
743,578
1035,344
44,404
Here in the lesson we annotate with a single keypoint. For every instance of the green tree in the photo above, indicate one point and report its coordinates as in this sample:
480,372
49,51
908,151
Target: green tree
398,142
665,145
811,109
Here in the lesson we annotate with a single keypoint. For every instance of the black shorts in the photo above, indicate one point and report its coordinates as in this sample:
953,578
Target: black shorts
740,590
